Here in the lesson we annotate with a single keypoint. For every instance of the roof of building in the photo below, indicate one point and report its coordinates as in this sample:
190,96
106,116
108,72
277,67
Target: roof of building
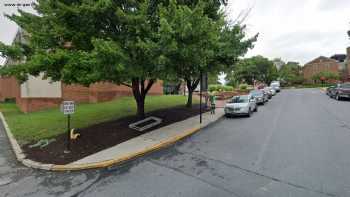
339,57
321,59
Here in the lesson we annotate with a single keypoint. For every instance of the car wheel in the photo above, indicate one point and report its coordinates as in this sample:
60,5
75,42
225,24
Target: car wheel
249,113
337,97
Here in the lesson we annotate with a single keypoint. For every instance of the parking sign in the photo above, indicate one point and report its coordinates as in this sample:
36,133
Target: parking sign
68,107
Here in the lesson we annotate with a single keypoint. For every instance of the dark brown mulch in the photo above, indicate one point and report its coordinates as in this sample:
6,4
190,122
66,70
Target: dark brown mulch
101,136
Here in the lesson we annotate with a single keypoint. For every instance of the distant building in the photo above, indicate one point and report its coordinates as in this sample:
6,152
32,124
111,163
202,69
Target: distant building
37,93
338,63
278,63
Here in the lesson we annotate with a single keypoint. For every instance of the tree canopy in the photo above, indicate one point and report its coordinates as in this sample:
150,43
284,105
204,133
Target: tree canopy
290,73
255,68
194,43
131,43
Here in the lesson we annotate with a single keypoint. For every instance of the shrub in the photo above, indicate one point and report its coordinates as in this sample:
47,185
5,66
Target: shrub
219,88
213,88
228,88
243,86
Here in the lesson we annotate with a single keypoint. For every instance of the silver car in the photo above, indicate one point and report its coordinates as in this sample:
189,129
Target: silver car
273,91
241,105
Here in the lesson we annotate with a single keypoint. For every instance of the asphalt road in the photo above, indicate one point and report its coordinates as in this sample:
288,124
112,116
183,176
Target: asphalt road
296,145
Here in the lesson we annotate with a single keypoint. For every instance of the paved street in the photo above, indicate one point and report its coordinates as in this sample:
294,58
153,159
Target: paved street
296,145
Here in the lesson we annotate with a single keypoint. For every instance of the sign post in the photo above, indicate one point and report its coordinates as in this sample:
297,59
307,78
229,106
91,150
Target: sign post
68,108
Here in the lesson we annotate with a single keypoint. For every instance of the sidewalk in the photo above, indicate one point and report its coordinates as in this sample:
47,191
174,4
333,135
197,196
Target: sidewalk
130,149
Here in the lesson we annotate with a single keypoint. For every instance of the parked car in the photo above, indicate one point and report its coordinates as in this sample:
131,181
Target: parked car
276,87
241,105
273,91
329,89
260,96
340,91
276,82
268,91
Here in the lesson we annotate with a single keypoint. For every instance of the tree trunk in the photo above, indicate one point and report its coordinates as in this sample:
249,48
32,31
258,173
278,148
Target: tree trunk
141,107
140,91
189,99
191,86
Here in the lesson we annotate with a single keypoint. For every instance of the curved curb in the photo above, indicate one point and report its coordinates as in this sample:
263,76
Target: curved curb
21,157
125,158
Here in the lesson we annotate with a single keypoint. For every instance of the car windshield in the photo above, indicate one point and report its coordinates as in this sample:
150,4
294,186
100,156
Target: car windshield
345,85
256,93
239,99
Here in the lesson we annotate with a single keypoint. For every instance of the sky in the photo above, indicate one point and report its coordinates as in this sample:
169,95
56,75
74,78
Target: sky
294,30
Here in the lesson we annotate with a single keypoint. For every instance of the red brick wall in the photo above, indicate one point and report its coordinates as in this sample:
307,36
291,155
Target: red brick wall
100,92
9,88
76,93
36,104
318,65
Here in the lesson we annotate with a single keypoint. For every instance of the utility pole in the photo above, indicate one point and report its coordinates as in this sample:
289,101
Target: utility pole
200,97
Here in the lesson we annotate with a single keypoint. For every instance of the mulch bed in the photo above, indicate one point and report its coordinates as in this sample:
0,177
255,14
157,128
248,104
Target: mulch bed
102,136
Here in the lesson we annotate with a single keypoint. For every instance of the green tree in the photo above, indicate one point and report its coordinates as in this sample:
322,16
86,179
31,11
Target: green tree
255,68
213,78
85,42
290,73
193,42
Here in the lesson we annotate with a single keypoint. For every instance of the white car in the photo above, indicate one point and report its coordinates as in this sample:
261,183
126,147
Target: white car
241,105
276,85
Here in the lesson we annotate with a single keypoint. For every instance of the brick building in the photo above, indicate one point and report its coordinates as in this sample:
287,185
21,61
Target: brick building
37,93
338,64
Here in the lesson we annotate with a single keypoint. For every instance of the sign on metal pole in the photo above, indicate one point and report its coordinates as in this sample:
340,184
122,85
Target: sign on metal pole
68,108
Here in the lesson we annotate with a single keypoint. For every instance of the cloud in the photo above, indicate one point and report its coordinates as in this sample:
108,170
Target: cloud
329,5
296,30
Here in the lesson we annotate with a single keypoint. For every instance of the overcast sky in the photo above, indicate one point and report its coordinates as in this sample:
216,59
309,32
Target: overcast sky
298,30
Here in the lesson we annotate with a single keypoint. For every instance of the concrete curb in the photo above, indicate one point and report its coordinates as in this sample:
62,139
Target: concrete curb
125,158
18,151
70,167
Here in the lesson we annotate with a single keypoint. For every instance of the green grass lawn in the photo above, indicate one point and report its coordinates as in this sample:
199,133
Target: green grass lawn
49,123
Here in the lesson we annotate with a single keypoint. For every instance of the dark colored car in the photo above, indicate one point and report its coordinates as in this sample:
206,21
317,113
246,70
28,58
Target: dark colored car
260,96
339,91
329,89
268,91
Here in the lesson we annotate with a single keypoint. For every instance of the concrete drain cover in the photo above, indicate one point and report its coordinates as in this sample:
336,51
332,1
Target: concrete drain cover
146,123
